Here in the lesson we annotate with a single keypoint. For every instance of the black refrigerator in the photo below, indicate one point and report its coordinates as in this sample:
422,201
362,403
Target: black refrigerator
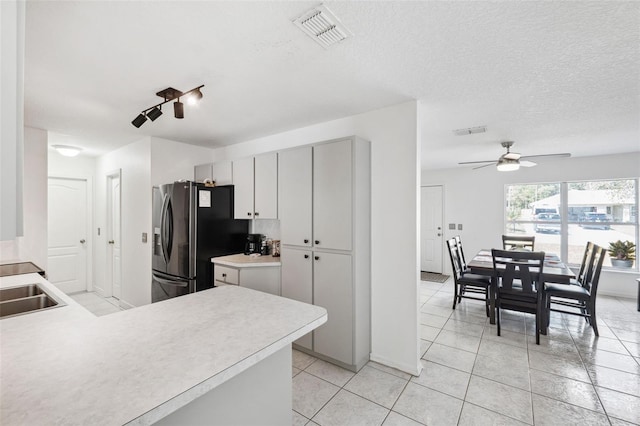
191,224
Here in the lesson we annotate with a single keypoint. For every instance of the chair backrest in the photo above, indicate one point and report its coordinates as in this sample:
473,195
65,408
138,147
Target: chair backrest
510,265
587,260
510,242
592,276
463,261
454,254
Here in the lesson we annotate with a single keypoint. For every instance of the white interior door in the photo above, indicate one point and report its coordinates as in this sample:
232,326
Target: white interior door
431,229
113,234
67,234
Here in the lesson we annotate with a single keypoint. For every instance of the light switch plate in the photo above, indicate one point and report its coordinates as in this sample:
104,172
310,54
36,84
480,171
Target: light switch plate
459,227
452,226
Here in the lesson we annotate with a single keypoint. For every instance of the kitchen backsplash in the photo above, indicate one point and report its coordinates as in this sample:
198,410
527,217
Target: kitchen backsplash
268,227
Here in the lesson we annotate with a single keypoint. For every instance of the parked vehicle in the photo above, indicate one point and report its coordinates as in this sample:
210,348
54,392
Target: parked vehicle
593,220
548,227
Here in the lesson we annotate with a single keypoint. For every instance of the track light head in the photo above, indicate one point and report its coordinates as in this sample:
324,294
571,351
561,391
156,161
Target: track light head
139,120
178,109
194,97
154,113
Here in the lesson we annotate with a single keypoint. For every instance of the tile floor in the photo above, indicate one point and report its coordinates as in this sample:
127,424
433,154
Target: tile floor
471,376
96,304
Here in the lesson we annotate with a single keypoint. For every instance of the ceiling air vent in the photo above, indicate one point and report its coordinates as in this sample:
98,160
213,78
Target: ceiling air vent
322,26
470,130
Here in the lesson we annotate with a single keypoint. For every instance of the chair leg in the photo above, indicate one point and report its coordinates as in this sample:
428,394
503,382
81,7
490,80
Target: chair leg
455,294
498,318
486,302
592,317
539,321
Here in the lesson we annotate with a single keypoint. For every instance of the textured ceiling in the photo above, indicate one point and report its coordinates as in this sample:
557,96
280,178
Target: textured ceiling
553,76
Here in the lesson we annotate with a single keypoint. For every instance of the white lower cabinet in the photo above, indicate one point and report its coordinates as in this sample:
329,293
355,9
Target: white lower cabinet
297,282
265,278
333,290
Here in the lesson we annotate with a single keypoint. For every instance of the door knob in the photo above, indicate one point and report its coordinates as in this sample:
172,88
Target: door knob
82,241
439,234
111,242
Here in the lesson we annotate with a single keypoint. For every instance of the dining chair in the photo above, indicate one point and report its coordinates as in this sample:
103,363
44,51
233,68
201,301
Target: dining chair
513,242
587,261
580,297
520,278
465,284
463,260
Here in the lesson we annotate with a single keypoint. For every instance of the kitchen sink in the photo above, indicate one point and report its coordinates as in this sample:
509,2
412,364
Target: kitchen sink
25,299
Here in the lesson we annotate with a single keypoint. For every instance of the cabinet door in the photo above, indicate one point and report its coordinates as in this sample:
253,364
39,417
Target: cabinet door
202,172
297,284
266,279
221,173
266,186
332,198
295,196
333,290
243,193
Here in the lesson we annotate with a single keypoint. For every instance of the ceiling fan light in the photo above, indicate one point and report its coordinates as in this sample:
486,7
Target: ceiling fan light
67,150
507,165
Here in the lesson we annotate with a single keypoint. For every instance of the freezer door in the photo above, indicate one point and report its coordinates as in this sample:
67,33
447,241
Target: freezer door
165,287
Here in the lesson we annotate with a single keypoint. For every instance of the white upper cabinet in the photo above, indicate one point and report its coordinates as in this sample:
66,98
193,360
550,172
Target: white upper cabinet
295,171
219,172
332,195
256,187
266,186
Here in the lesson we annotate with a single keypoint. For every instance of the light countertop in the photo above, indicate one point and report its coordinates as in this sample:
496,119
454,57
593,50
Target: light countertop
246,261
66,366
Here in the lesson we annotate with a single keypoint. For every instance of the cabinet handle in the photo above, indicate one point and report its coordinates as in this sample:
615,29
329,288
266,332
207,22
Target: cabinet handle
249,214
224,275
306,256
317,241
317,258
306,241
256,213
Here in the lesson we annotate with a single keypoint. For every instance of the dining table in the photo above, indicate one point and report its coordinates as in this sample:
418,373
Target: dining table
554,271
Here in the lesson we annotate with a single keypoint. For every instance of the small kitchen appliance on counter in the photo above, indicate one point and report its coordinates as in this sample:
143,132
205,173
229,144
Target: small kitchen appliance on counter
253,244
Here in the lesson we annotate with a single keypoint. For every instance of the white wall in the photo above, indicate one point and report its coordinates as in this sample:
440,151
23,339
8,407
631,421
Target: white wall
134,161
76,167
172,161
33,245
393,133
475,198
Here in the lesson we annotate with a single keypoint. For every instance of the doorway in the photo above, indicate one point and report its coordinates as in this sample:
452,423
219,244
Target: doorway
114,247
431,232
67,234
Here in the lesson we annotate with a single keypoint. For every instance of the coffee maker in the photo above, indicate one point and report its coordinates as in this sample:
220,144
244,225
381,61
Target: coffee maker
253,244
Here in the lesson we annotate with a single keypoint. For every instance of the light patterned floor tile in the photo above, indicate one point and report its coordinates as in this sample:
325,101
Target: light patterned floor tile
614,379
509,371
451,357
566,390
302,360
458,340
395,419
330,372
376,385
427,406
547,411
349,409
310,394
507,400
472,415
443,379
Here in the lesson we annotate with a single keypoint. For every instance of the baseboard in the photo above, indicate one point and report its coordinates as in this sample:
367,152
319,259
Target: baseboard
413,370
125,305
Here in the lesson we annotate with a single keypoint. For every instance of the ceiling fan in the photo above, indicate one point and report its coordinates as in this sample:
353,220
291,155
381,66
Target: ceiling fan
512,160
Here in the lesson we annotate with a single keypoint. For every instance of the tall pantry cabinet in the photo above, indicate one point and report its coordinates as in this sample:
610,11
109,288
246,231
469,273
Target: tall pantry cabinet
324,210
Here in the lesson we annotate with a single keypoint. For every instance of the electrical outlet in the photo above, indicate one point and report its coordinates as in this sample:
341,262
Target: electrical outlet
144,237
459,227
452,226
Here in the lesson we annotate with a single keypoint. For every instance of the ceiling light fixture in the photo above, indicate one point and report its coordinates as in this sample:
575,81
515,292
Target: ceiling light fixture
507,165
169,94
67,150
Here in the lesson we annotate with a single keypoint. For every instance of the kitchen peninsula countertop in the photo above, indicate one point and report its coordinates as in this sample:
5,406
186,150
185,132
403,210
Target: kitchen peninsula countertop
246,261
65,366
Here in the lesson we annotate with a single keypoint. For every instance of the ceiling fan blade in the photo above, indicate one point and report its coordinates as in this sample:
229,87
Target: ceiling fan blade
478,162
526,163
562,155
484,165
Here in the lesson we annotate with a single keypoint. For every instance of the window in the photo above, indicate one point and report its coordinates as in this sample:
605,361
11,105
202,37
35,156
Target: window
564,216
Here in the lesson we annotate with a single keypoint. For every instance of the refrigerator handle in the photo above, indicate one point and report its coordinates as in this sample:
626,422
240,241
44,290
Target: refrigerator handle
169,218
170,282
163,219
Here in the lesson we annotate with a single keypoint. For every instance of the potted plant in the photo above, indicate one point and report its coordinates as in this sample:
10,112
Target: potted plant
622,253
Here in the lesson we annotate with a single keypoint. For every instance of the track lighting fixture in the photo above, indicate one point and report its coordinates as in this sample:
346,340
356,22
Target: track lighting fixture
169,94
